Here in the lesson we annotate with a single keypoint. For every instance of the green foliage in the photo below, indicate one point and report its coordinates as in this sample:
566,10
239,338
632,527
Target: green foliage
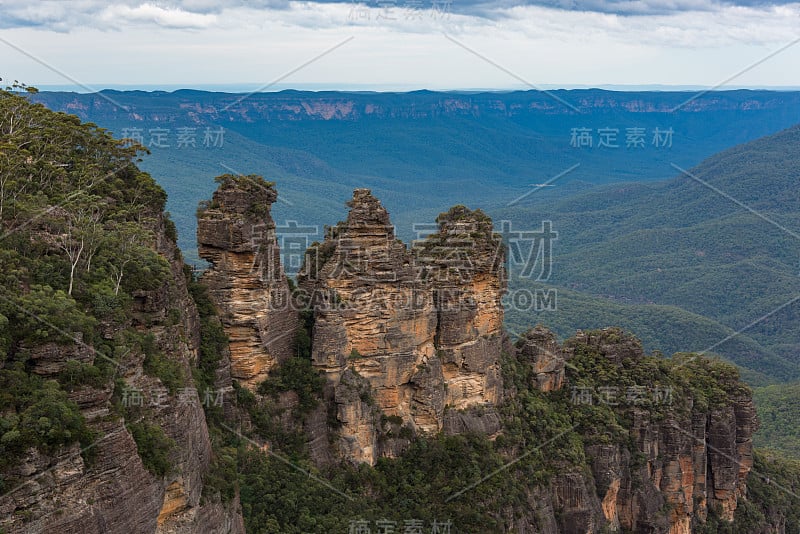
78,221
76,374
778,408
222,477
108,305
666,328
252,183
773,487
710,381
213,343
392,419
166,369
170,230
43,314
153,445
5,338
298,375
36,413
417,485
53,419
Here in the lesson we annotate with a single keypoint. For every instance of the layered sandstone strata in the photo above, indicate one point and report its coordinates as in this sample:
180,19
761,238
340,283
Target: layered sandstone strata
685,457
114,492
422,327
236,234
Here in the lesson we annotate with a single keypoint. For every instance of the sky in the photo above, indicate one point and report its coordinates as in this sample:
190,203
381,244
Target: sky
399,44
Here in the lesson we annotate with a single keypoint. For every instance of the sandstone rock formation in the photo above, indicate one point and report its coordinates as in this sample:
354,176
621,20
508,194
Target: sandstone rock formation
410,341
687,457
464,265
422,327
539,348
236,234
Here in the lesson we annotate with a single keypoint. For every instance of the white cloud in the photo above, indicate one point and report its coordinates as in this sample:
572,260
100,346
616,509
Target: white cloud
723,26
120,15
192,42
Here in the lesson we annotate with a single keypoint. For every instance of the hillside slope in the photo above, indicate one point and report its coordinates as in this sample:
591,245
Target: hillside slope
102,423
721,241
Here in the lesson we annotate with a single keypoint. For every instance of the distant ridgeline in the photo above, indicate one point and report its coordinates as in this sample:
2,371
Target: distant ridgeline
379,391
423,149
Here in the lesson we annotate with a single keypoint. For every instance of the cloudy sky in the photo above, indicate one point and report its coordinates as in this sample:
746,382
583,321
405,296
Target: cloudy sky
400,44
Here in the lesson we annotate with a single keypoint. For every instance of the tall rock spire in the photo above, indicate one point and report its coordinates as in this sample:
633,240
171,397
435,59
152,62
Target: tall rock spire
236,234
464,263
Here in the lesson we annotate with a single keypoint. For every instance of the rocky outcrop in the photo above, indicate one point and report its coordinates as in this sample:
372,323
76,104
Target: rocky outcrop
106,488
464,265
374,318
538,347
422,327
236,234
694,458
688,454
574,496
410,341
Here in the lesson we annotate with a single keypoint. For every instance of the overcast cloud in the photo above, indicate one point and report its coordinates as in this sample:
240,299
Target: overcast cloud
401,43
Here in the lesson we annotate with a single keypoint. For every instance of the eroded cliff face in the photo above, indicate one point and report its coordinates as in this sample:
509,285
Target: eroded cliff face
539,348
406,338
236,234
420,329
409,341
113,492
689,454
463,264
197,107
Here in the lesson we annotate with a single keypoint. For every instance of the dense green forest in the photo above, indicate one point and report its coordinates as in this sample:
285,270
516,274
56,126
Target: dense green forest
665,328
77,221
778,409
